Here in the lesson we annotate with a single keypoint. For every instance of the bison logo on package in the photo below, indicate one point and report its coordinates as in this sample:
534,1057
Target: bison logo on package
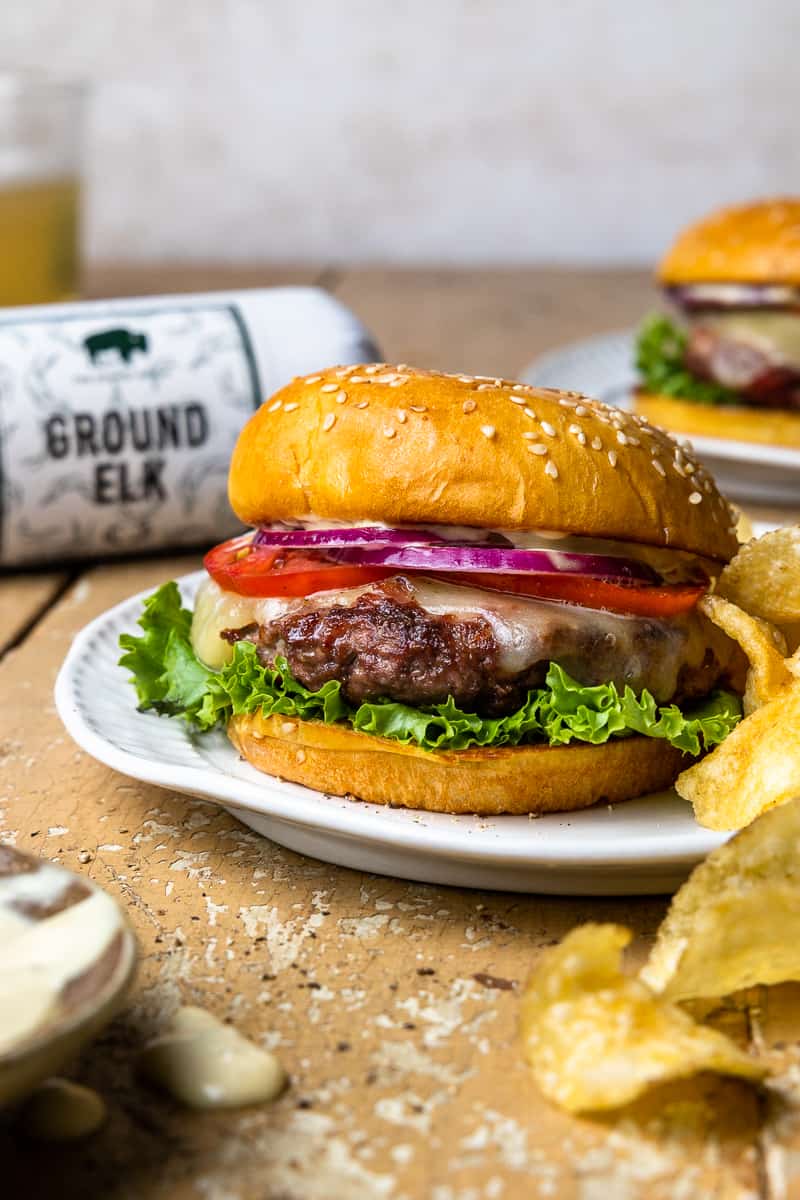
123,341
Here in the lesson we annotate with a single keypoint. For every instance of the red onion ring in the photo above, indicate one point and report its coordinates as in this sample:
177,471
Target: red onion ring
322,539
497,559
446,556
708,297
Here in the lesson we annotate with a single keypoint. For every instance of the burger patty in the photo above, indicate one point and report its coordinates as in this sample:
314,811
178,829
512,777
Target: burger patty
386,646
742,367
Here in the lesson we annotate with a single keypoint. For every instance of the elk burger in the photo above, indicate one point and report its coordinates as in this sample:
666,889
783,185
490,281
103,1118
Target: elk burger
730,366
460,594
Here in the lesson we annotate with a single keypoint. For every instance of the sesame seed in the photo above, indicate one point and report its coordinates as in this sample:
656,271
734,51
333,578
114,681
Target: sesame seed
537,448
581,436
363,404
359,379
678,468
342,373
398,382
488,431
623,441
658,466
486,387
290,407
329,422
400,366
389,433
402,416
373,369
340,397
612,457
580,411
418,407
597,443
551,469
633,441
329,387
695,498
689,468
288,726
707,487
573,428
465,379
548,428
313,379
519,387
529,413
529,433
274,406
517,399
566,402
469,406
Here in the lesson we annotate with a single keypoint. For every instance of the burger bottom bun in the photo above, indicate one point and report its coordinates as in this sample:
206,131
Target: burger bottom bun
741,423
518,779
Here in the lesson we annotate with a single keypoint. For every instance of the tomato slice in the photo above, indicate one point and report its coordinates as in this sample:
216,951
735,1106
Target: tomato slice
239,566
649,600
251,570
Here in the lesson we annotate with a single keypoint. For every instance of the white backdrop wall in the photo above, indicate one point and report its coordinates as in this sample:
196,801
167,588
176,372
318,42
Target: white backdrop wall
419,130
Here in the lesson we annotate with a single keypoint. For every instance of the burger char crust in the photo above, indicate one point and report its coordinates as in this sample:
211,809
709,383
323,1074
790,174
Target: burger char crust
386,646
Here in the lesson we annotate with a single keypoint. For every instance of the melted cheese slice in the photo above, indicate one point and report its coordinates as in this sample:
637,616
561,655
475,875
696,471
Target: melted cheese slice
523,628
776,334
516,621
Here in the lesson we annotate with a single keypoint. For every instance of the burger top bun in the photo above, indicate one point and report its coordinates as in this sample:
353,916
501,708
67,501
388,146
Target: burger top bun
397,445
749,243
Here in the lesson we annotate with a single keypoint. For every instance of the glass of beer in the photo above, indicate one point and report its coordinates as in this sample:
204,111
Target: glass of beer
41,135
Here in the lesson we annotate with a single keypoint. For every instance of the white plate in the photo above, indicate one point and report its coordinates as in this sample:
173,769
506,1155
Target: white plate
604,367
643,846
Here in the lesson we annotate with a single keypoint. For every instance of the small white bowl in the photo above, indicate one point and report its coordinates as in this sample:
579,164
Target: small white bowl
68,958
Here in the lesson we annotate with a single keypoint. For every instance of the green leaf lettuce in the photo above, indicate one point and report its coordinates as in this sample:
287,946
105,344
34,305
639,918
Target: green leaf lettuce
660,351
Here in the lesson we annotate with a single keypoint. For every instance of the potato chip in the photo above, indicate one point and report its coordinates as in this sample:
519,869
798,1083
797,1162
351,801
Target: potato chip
597,1039
764,577
791,631
756,768
744,527
761,642
793,663
736,920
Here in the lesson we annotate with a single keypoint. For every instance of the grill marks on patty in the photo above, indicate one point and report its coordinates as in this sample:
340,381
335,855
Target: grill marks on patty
386,646
379,647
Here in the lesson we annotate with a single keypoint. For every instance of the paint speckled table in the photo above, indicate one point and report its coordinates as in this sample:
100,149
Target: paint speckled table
392,1005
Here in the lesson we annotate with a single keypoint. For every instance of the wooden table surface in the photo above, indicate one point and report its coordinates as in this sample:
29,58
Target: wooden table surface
393,1005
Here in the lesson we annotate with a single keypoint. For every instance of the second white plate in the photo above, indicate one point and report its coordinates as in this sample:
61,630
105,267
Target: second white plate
602,367
643,846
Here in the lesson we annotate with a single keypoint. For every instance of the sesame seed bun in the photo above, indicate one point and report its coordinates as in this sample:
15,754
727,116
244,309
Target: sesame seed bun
406,446
748,243
517,779
767,426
